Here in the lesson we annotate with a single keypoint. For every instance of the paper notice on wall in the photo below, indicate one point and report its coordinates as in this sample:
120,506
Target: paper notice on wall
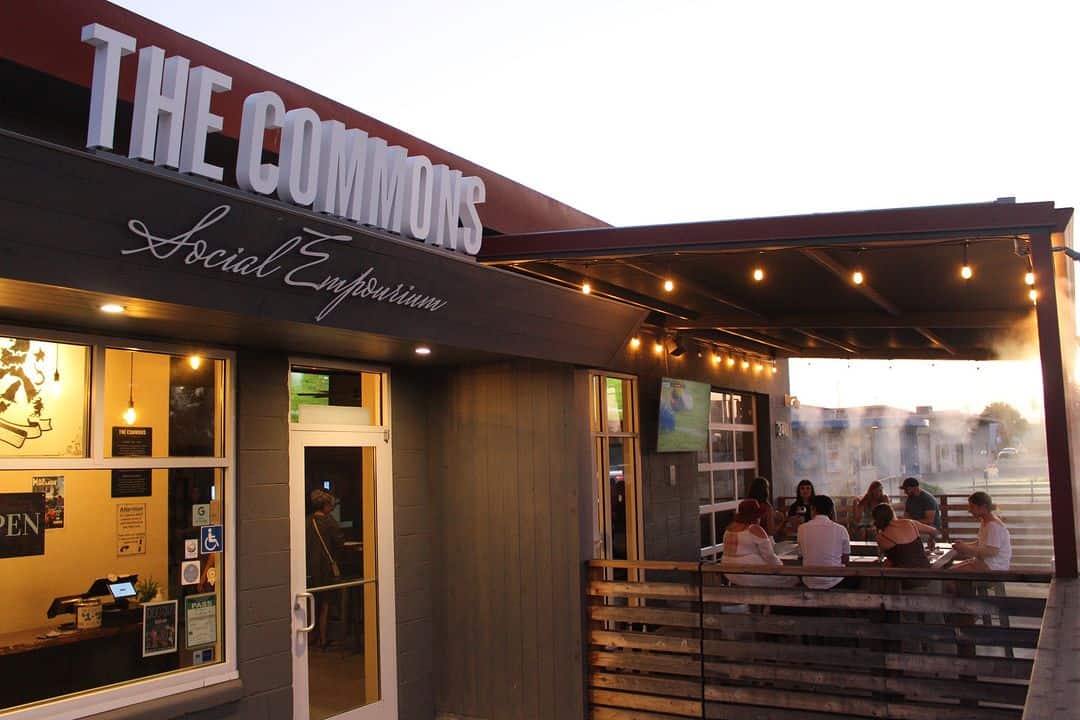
130,545
131,519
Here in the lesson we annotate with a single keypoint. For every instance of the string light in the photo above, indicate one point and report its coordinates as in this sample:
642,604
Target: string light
773,369
758,274
715,358
758,367
195,361
745,364
586,288
1029,278
1033,294
731,361
635,343
965,269
857,277
657,348
669,285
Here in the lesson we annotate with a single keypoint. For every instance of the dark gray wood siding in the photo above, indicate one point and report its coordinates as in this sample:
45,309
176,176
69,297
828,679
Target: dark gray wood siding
506,473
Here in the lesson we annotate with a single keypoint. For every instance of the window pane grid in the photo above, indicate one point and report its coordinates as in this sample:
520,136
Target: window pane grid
727,465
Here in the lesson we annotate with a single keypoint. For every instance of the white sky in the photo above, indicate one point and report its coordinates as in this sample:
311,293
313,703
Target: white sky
653,112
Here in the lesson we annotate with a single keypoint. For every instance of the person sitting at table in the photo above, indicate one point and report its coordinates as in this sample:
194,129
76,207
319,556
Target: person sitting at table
747,543
799,511
759,490
823,542
920,505
864,508
993,548
900,539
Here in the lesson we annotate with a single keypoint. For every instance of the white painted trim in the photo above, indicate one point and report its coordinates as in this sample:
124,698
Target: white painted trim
138,691
379,438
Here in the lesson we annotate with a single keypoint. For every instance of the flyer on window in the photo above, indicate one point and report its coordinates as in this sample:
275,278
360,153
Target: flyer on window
159,628
52,487
200,619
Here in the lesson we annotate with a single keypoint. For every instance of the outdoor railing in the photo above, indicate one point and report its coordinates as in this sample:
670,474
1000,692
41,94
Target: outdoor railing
1026,514
670,640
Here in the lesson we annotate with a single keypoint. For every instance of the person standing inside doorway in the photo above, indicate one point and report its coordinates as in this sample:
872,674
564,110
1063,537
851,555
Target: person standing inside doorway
324,542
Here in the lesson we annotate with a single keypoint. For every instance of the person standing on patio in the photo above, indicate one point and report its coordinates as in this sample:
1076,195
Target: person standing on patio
823,542
921,506
993,548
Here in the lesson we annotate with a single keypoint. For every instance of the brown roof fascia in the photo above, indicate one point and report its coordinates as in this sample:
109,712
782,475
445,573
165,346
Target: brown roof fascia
980,219
45,36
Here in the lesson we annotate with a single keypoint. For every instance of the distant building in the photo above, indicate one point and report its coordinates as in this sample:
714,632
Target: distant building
842,450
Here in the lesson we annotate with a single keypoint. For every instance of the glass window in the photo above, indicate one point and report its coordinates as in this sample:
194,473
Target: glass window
334,397
613,412
616,390
43,399
744,446
113,572
103,585
729,464
723,485
706,530
160,405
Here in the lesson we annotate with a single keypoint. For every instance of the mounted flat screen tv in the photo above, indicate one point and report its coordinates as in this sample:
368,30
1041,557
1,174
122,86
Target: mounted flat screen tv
684,416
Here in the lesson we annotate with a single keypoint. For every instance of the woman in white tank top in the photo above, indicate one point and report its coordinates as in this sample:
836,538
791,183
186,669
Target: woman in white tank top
747,543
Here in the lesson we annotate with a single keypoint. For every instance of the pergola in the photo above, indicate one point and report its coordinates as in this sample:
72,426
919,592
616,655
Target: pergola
701,285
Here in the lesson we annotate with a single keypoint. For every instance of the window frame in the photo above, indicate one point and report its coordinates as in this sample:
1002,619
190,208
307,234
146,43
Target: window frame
112,697
735,465
600,440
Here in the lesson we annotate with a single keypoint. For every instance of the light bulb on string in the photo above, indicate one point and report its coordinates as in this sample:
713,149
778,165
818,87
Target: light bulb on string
758,274
56,387
758,367
731,361
195,361
1029,278
715,358
965,269
657,348
635,343
129,414
857,277
745,364
586,288
669,285
1033,294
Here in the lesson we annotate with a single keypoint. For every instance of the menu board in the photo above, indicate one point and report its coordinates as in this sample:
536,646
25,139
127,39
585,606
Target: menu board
132,441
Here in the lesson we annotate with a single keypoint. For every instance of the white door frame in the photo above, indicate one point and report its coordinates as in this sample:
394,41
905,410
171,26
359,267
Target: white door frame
301,436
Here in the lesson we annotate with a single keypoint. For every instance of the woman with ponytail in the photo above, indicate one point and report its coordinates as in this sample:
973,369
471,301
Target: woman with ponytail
993,548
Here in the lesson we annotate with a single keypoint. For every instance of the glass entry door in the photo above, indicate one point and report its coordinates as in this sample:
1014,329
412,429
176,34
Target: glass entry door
344,663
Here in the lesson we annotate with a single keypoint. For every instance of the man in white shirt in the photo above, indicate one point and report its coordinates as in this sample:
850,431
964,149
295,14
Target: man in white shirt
823,542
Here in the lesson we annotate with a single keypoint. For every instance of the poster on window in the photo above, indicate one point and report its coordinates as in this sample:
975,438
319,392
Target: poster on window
52,487
159,628
43,395
200,620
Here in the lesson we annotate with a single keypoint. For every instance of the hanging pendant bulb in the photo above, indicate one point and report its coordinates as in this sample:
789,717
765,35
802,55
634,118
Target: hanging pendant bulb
758,274
1029,278
669,285
129,414
857,277
965,269
195,361
56,374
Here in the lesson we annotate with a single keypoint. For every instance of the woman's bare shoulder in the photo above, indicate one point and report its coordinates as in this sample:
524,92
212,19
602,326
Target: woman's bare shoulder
758,531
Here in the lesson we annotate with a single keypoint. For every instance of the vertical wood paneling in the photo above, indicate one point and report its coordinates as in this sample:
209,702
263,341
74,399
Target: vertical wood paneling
508,486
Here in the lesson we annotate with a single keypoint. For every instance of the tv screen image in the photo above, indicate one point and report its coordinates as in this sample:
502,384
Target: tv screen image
684,416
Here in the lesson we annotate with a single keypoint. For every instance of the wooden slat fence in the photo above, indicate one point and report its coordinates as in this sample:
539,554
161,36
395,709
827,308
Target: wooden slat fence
1027,516
671,640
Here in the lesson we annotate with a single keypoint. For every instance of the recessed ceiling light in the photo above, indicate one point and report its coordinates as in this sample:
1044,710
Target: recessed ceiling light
112,308
423,350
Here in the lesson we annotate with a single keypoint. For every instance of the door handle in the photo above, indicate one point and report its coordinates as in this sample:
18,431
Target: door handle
307,601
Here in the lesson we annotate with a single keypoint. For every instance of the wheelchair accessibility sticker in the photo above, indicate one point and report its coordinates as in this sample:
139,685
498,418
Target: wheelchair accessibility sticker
211,539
